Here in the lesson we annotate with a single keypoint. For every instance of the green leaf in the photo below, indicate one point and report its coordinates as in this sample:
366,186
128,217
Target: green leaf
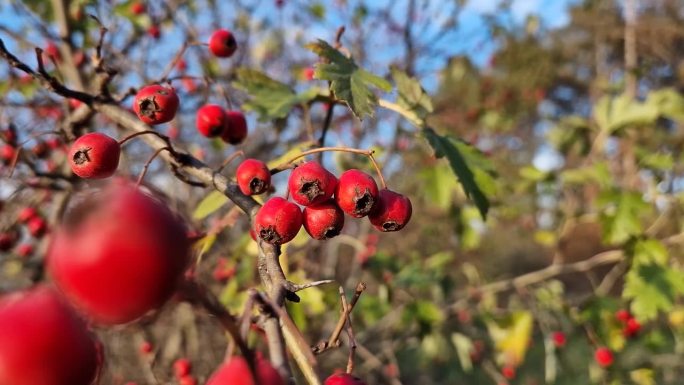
348,81
614,113
652,288
412,96
473,170
269,98
438,185
669,102
464,347
646,251
212,202
620,217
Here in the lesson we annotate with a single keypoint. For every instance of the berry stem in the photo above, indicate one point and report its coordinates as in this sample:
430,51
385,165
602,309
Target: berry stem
369,153
229,159
147,164
131,136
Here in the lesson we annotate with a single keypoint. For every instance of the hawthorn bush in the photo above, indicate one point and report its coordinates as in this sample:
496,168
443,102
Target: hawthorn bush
281,192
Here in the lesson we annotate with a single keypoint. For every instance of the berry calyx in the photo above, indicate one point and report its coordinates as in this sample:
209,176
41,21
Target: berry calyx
343,379
211,120
392,211
310,183
119,254
278,221
324,220
235,371
253,177
604,357
558,339
222,43
36,329
236,128
156,104
94,156
356,193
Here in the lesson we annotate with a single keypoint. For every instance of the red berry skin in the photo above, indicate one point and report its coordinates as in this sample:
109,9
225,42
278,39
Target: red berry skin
211,120
392,211
311,184
7,153
235,371
26,214
94,156
278,221
52,51
43,341
24,250
508,372
154,31
632,328
622,315
40,150
222,43
356,193
146,347
236,129
187,380
119,255
37,226
7,240
182,367
138,8
343,379
253,177
604,357
558,339
156,104
323,221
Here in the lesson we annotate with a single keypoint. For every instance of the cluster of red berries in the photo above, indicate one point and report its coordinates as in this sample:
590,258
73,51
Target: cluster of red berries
182,370
35,225
325,199
631,327
214,121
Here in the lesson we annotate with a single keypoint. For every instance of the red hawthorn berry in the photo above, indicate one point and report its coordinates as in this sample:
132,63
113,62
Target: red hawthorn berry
9,135
392,211
356,193
54,143
253,177
235,371
324,220
182,367
622,315
632,328
252,234
189,84
7,153
559,339
222,43
119,254
211,120
40,150
37,226
74,103
26,214
278,221
236,128
181,65
154,31
308,73
7,240
43,341
187,380
24,250
508,372
343,379
52,51
146,347
604,357
222,272
94,156
156,104
310,184
138,8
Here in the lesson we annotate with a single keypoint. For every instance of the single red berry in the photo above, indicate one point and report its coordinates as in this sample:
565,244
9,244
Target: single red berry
278,221
604,357
187,380
7,153
559,339
154,31
94,156
52,51
25,250
310,184
181,65
308,73
222,43
40,150
54,143
189,84
343,379
508,372
632,328
222,272
356,193
324,220
392,211
236,129
253,177
74,103
43,341
119,254
37,226
211,120
146,347
622,315
7,240
182,367
235,371
26,214
156,104
138,8
9,135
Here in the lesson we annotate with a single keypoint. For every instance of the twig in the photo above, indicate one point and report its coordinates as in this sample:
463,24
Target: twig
229,159
302,286
333,341
350,331
147,164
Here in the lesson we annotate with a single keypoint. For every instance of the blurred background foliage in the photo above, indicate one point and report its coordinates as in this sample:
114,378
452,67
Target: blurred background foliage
566,138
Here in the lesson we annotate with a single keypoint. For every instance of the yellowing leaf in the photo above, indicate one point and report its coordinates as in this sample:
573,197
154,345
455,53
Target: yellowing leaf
512,337
212,202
